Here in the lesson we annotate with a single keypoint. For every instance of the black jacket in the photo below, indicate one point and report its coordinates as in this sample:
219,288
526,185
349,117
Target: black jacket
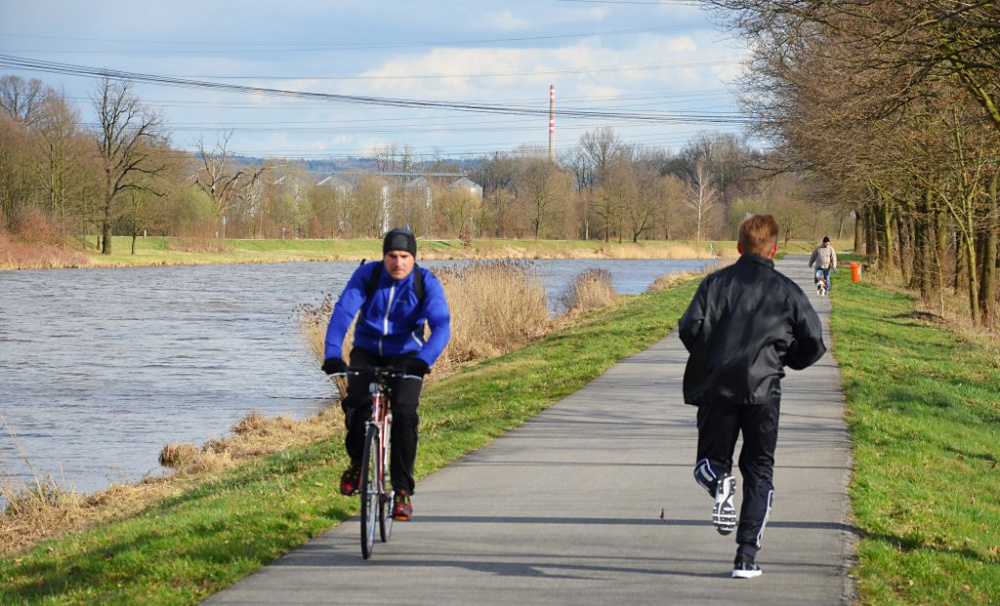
744,325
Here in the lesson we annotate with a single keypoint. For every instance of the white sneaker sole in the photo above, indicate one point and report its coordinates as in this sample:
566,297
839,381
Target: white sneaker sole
746,574
723,513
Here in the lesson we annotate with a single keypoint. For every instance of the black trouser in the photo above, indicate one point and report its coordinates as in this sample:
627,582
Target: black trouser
719,425
404,397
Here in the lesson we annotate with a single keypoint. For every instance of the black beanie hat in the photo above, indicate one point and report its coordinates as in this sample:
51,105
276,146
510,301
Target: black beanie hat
826,238
400,239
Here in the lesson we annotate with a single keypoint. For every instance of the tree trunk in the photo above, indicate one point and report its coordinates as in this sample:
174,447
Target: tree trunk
987,290
941,251
871,235
106,227
887,250
858,231
924,247
969,246
905,245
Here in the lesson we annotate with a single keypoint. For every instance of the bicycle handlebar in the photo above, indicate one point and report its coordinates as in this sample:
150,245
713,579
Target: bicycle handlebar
386,371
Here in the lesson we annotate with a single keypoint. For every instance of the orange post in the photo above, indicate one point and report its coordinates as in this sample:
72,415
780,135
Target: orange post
855,271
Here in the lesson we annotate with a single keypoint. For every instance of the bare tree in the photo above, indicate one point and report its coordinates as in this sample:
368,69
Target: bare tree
22,99
59,165
702,198
497,174
223,183
392,158
602,149
129,132
543,193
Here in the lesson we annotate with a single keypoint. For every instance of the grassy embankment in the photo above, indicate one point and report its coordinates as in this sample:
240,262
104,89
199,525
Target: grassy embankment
189,546
924,414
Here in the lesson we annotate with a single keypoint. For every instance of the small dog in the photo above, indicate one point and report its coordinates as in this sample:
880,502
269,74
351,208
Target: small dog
821,286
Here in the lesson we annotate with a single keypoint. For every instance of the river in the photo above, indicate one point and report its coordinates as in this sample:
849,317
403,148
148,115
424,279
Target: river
99,368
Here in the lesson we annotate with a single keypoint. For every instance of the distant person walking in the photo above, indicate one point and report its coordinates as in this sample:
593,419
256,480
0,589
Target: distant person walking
824,259
744,325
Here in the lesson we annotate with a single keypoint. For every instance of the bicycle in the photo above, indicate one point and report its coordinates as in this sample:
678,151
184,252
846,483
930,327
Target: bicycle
376,487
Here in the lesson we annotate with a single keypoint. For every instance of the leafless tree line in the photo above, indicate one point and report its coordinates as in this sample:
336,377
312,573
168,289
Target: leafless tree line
891,106
122,176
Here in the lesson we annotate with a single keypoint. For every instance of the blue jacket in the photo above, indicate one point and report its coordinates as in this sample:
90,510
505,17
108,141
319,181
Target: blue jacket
392,320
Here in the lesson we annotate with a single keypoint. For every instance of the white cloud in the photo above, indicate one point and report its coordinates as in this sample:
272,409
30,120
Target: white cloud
508,21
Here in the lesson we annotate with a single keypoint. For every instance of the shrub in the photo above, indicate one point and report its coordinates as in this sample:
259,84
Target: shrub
592,289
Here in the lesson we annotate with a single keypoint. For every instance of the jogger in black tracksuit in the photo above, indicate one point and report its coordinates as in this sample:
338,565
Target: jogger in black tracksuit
744,325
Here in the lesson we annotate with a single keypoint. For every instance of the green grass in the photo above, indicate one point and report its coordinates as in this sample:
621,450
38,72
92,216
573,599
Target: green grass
160,250
189,547
924,411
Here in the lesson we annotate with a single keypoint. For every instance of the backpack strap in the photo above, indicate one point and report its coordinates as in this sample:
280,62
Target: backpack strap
372,285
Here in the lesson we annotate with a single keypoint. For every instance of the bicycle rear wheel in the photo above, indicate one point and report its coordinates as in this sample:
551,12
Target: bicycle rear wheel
385,499
370,497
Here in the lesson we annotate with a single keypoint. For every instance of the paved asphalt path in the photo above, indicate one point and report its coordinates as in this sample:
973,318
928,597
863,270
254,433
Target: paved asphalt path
593,502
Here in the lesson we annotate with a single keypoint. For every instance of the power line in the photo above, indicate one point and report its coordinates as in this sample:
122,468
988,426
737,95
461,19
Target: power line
280,47
93,72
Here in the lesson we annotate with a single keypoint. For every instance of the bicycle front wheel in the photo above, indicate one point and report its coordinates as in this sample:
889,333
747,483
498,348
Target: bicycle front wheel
370,497
385,508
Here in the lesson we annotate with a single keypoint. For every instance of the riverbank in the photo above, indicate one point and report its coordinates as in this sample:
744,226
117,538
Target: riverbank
921,404
190,251
213,530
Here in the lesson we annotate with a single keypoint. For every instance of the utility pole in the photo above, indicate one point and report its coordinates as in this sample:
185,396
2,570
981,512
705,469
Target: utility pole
552,122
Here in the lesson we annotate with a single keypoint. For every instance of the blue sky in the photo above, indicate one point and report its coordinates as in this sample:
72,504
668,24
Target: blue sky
641,58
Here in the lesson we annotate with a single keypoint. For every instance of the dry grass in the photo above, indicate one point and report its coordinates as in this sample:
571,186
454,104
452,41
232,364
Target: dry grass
668,280
592,289
48,253
254,436
43,509
496,307
660,250
198,245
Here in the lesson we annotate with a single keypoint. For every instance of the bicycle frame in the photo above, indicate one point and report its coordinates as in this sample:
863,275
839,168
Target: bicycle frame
382,419
376,485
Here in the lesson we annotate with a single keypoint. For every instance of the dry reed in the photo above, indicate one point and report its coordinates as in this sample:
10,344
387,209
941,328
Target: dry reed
48,254
658,250
254,436
592,289
198,245
496,307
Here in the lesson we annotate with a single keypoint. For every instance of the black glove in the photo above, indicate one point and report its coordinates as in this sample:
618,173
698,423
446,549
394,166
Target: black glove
334,366
417,367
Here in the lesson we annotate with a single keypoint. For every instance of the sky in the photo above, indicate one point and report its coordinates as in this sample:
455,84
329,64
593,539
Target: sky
334,79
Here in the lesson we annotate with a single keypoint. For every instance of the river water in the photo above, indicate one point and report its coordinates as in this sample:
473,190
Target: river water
99,368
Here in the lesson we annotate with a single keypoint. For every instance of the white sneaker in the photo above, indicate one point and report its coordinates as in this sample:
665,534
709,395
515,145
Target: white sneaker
723,512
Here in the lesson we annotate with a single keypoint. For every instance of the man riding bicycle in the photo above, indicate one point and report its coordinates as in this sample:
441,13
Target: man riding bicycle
397,299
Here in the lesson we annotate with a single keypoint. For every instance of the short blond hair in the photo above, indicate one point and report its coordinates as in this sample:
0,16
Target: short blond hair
758,235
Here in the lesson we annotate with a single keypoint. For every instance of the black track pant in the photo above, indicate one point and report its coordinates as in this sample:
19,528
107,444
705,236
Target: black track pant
719,425
404,398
